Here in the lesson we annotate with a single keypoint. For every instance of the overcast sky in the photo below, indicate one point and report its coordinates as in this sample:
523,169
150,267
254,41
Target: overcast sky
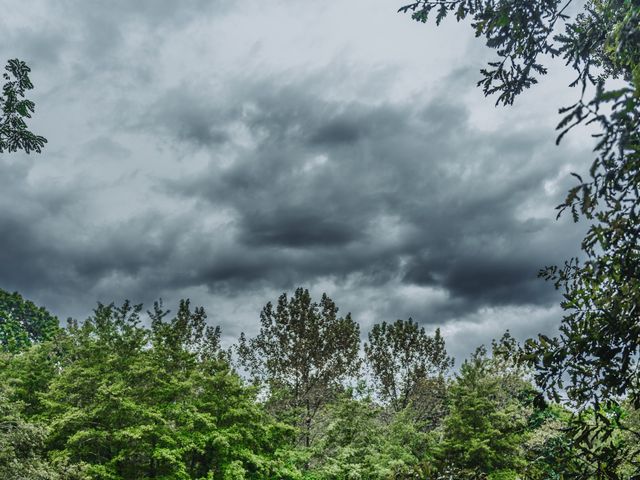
229,151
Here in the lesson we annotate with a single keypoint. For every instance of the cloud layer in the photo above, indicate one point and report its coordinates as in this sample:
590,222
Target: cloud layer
228,153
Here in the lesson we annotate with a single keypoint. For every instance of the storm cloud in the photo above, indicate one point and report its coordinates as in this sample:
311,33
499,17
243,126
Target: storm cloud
228,153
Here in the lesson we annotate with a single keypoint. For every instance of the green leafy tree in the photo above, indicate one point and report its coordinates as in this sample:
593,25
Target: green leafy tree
483,434
302,355
409,367
23,323
13,336
23,453
550,447
14,134
350,436
594,359
357,440
630,439
129,401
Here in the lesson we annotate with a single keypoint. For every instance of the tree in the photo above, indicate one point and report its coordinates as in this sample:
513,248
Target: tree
487,425
23,452
409,366
302,354
128,401
13,336
358,442
594,359
23,323
14,134
549,449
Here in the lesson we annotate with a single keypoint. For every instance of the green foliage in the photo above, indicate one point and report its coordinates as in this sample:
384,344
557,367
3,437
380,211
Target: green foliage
23,323
359,441
409,367
548,447
23,446
302,355
14,134
484,433
594,359
13,336
120,396
520,30
126,401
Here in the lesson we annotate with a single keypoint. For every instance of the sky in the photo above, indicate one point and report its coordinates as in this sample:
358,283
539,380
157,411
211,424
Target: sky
230,151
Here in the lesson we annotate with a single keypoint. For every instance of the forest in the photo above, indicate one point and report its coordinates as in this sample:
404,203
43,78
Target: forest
132,394
151,392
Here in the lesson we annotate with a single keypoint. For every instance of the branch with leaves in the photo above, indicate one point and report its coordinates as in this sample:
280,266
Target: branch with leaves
14,134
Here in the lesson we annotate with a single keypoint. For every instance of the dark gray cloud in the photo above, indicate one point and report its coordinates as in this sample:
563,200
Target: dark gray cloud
384,191
407,192
190,157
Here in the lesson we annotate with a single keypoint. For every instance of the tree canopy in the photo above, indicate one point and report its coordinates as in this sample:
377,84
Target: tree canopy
121,401
302,353
409,366
131,395
594,359
22,322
